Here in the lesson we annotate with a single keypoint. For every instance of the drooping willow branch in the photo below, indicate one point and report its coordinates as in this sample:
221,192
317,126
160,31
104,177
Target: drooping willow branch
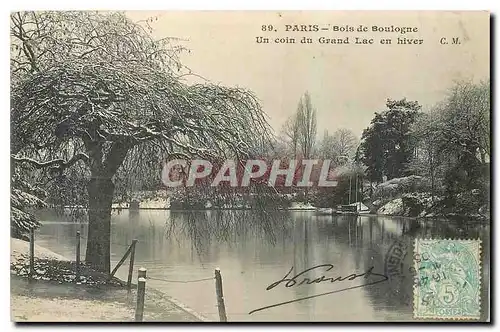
54,163
105,92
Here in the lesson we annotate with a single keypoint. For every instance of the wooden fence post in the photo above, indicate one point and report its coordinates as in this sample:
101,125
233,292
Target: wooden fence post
77,270
141,292
131,265
120,262
220,296
32,252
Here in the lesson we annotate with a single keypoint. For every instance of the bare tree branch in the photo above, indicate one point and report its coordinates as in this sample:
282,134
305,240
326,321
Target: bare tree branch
59,163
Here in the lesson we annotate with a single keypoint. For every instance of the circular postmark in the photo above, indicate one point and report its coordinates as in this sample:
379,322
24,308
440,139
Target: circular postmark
400,271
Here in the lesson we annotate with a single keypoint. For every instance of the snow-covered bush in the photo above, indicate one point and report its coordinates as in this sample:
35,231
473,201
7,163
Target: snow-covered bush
396,187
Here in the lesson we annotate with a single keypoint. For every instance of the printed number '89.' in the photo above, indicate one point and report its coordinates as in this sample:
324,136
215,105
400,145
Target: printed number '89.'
268,27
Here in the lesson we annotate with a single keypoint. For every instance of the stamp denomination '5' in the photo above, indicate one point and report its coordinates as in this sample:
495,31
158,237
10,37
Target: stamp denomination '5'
448,281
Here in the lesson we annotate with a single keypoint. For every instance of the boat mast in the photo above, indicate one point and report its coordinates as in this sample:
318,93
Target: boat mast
349,190
356,188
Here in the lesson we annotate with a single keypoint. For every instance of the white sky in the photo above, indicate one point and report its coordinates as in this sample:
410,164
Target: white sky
347,83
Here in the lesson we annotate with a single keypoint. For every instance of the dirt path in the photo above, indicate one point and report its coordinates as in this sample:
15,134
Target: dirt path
42,301
49,300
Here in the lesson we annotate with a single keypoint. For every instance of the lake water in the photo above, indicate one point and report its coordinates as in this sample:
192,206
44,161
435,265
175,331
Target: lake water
253,255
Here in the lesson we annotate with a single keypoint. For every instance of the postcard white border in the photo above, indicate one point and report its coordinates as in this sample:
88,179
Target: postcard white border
8,6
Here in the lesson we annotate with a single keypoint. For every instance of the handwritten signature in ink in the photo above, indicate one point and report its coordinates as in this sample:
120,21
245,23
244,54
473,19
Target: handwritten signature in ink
301,279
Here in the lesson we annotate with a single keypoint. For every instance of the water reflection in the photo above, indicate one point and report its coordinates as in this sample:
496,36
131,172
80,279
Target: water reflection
253,251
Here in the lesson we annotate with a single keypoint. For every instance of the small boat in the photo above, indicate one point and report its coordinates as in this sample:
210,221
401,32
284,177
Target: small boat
356,208
347,210
361,208
353,209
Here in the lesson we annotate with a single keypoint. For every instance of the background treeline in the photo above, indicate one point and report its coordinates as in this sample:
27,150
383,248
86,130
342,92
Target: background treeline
442,152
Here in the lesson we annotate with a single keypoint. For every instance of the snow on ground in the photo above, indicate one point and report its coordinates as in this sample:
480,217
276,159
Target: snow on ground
301,206
325,211
30,309
45,300
155,203
392,208
397,186
19,252
148,203
119,205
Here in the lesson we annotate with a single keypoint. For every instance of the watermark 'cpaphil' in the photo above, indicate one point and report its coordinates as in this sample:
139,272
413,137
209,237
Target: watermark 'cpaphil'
276,173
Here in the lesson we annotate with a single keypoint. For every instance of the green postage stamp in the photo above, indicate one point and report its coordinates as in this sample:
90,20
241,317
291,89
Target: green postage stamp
448,279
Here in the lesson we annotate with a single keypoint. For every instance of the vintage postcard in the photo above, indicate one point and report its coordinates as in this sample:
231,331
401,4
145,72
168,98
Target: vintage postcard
250,166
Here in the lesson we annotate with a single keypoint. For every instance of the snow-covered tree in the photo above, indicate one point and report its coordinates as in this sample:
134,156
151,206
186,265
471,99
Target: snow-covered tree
387,145
339,147
306,122
24,198
92,89
291,133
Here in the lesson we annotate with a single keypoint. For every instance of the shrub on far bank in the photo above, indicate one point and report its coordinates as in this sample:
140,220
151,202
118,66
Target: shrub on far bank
396,187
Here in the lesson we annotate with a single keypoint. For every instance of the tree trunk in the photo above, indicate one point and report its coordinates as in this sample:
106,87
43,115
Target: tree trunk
432,171
100,191
483,156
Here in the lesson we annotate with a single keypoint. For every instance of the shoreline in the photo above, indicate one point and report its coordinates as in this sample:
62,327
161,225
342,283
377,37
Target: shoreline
17,280
484,219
